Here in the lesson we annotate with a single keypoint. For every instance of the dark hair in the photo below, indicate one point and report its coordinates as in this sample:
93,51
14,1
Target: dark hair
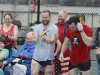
46,11
73,19
2,39
9,15
81,15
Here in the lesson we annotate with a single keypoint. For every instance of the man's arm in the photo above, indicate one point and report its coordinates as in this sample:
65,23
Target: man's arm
58,47
64,48
35,34
35,38
65,45
49,41
87,40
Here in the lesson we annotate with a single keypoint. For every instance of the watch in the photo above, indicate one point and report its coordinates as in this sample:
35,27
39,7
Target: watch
81,30
7,36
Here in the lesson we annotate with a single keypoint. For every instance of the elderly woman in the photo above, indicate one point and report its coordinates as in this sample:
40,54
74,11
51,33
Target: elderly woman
27,50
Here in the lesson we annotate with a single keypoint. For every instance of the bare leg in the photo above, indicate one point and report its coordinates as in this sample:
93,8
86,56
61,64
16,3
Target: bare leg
74,71
35,67
86,72
49,70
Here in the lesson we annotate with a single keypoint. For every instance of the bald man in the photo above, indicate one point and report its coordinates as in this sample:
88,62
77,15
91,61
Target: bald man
62,67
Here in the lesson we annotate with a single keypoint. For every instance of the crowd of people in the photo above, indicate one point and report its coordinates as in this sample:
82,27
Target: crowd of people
62,48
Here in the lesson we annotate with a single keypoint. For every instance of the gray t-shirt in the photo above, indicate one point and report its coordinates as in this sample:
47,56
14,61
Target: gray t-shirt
43,50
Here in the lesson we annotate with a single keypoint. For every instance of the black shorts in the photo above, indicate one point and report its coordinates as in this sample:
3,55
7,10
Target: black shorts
45,63
83,67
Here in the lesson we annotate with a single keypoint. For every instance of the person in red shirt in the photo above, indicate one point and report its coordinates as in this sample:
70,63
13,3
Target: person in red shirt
62,67
82,21
81,17
80,36
10,32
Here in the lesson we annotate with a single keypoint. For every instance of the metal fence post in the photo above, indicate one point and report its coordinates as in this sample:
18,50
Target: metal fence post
38,11
28,24
1,17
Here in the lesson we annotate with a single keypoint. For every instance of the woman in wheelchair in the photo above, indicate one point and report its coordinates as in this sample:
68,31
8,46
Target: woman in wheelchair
26,50
4,53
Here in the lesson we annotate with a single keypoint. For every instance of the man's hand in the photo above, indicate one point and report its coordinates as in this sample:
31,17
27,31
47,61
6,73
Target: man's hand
42,38
96,51
79,26
43,33
61,57
55,54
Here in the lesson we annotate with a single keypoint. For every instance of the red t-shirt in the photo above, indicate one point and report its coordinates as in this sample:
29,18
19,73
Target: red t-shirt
80,51
61,38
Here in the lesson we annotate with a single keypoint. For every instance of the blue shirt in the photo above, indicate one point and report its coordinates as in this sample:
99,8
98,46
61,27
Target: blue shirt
26,50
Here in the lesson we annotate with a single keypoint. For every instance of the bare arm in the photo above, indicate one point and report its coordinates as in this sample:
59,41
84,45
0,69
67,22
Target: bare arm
65,45
14,38
35,38
58,47
87,40
1,57
15,32
49,41
64,48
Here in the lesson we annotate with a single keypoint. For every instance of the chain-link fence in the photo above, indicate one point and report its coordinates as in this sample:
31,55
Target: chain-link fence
20,9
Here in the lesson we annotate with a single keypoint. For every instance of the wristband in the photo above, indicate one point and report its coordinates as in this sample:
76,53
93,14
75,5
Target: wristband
81,30
61,54
7,36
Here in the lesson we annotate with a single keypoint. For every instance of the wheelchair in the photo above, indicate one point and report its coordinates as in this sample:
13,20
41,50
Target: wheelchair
11,64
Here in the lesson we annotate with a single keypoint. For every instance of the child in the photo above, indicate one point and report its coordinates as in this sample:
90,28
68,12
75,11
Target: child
4,53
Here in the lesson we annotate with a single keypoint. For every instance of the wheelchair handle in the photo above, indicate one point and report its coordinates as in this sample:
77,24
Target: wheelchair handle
25,57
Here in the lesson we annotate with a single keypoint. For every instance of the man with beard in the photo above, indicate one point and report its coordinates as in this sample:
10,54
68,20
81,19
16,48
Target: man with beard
45,35
80,36
62,67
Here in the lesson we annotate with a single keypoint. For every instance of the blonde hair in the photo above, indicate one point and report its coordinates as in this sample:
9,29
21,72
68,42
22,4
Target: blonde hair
29,34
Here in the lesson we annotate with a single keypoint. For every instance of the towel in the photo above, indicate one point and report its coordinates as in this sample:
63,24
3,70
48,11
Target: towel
19,69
